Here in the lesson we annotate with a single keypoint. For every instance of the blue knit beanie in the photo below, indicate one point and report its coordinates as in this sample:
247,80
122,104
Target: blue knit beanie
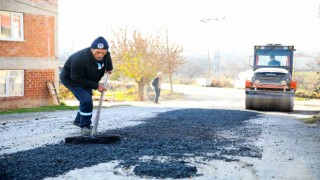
100,43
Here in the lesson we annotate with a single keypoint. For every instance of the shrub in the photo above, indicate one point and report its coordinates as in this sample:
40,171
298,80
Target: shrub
65,93
307,94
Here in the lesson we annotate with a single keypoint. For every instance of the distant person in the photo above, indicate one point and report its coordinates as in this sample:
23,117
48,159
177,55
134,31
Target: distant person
81,74
156,83
273,61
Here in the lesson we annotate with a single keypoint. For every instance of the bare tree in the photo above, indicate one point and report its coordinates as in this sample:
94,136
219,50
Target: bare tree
317,86
192,70
173,61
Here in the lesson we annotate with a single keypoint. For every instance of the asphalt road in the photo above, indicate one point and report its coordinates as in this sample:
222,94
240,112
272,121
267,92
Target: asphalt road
206,135
289,149
231,98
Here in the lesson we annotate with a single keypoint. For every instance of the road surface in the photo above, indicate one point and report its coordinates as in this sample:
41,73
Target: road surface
206,135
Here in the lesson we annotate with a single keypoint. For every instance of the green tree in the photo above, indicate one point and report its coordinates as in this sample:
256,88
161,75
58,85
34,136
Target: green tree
138,57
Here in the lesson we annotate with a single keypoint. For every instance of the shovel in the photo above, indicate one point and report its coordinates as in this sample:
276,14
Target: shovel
94,138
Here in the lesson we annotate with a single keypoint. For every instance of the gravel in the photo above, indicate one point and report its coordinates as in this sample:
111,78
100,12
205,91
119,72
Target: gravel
168,140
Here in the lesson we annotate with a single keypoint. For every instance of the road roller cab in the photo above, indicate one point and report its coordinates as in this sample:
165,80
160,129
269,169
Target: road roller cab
271,87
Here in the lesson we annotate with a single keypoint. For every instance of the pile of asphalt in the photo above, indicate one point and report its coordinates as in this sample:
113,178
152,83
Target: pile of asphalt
176,135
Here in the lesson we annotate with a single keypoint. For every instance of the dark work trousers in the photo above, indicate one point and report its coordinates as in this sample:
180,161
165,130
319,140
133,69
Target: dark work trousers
84,113
156,98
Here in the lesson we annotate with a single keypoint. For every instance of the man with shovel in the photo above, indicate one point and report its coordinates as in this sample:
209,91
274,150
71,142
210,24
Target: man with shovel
81,74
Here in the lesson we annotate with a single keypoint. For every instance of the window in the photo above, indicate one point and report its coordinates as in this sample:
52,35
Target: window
11,83
282,58
264,60
11,26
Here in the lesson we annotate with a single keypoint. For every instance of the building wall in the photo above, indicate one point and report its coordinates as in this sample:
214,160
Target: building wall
39,39
37,55
35,91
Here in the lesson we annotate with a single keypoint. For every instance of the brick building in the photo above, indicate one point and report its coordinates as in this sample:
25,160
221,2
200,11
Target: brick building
28,52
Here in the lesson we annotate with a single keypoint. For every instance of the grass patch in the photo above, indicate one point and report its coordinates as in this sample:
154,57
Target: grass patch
300,99
167,95
131,95
124,95
313,119
39,109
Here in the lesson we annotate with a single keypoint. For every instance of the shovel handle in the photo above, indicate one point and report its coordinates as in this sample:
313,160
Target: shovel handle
96,120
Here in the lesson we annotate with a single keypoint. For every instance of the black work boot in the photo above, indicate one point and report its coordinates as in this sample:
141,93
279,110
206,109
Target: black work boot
76,123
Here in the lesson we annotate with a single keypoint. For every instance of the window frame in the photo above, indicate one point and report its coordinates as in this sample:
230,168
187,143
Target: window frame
21,29
7,83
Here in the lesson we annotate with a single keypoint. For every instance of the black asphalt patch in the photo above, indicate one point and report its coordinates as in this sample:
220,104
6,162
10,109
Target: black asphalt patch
177,135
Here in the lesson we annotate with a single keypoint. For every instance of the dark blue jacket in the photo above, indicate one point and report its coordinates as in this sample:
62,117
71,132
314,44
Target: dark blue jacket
81,70
155,83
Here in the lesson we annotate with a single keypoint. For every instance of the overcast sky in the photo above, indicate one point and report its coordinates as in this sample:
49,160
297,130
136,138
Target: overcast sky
236,25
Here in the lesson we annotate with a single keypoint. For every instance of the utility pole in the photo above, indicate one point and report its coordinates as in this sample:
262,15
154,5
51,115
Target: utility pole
216,63
209,61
